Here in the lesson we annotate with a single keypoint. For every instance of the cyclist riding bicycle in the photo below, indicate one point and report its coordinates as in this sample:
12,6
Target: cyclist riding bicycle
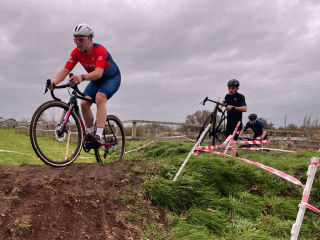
236,104
257,126
103,75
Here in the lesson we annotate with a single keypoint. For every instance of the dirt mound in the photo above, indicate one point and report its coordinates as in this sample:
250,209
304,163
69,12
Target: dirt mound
80,201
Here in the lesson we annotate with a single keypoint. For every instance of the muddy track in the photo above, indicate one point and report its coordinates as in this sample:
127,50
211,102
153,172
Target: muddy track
80,201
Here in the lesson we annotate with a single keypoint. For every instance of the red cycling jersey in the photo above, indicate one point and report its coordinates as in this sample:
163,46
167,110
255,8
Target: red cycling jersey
99,57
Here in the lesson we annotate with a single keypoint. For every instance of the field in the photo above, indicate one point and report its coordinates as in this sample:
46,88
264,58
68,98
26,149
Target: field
215,197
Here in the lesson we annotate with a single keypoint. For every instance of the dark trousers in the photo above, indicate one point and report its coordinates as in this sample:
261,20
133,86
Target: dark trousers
231,125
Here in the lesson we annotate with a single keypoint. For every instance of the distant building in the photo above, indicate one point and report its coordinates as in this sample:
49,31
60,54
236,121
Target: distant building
8,122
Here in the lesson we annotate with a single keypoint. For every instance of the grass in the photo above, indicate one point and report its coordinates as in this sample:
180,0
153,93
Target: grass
215,197
22,151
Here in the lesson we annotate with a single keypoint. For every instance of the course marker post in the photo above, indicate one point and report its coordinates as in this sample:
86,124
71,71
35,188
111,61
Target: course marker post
305,197
193,149
232,138
69,133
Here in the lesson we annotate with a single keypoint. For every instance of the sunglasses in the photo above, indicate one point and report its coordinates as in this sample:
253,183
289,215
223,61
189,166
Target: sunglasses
79,39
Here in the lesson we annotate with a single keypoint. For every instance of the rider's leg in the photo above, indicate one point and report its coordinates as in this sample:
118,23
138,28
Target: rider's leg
101,101
87,113
105,91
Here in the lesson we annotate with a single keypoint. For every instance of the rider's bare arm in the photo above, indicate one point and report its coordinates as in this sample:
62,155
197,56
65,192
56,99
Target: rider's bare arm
92,76
61,76
95,75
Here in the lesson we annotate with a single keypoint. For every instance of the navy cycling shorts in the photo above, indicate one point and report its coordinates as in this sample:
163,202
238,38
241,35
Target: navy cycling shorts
108,86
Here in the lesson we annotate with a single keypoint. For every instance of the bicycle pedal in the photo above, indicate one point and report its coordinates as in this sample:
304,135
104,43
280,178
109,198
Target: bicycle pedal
91,142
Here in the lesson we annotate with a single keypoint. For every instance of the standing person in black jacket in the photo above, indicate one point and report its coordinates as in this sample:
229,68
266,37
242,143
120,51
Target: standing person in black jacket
236,105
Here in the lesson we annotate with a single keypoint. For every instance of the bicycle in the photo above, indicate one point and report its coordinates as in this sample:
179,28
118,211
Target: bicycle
217,121
57,131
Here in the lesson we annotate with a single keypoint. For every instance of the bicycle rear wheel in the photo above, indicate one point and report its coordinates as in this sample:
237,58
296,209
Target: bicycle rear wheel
114,139
56,143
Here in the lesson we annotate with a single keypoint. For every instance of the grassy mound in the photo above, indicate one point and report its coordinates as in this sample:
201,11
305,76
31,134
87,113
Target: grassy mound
217,197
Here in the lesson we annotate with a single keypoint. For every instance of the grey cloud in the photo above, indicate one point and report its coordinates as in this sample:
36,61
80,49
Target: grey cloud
171,55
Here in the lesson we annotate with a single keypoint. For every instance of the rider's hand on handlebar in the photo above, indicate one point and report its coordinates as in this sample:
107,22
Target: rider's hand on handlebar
51,86
76,79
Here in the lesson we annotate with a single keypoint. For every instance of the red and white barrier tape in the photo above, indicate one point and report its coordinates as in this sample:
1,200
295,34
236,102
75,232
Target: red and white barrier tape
270,169
208,147
31,155
253,148
279,150
141,147
271,149
232,136
202,148
158,140
199,148
305,200
18,153
68,150
255,142
227,139
312,207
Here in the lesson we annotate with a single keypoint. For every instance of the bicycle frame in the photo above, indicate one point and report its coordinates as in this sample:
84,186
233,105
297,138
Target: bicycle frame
213,114
73,105
215,126
58,132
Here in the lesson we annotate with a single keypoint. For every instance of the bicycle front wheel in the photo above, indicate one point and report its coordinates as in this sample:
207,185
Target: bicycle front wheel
114,141
217,131
56,142
219,134
210,120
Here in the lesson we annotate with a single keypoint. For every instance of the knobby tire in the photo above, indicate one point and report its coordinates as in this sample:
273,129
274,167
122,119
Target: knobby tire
113,132
51,148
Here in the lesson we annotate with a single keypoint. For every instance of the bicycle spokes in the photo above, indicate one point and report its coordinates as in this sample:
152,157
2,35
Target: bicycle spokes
114,141
54,142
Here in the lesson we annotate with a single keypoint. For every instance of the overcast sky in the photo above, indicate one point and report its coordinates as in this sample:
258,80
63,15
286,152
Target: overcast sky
171,54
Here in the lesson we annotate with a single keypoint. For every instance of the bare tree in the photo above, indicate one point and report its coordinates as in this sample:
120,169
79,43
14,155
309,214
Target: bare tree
199,117
266,124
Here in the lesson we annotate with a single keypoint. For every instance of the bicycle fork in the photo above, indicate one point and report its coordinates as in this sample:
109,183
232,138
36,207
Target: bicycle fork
61,129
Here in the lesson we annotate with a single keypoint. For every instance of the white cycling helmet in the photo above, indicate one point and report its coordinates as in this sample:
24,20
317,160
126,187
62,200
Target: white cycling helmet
83,29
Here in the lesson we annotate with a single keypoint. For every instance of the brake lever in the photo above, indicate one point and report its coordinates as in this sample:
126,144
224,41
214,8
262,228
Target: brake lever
204,101
70,83
48,84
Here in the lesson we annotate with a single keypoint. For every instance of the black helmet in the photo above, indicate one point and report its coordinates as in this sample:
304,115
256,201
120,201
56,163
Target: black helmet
252,116
233,82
